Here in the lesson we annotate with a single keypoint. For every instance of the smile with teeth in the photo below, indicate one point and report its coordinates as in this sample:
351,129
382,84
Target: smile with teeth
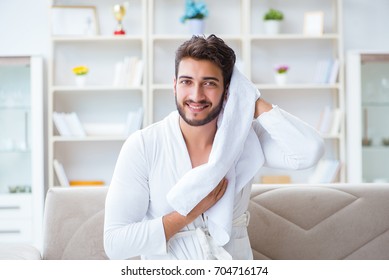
197,106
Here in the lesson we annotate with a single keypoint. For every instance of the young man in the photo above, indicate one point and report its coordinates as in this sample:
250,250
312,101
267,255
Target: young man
139,219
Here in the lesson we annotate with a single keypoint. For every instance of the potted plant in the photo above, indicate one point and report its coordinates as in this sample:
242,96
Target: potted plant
281,74
80,72
195,13
272,21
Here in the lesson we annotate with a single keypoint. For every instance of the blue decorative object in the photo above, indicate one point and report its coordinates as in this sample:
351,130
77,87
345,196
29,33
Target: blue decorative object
194,10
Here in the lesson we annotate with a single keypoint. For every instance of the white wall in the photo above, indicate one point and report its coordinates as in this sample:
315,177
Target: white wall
365,24
24,26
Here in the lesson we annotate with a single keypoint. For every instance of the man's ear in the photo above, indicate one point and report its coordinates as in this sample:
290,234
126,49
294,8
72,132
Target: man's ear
226,92
174,86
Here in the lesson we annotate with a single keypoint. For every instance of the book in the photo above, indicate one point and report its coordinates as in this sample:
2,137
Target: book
74,124
138,75
117,73
68,124
327,71
325,172
134,121
330,121
276,179
337,116
322,71
128,72
333,74
83,183
61,175
61,124
325,121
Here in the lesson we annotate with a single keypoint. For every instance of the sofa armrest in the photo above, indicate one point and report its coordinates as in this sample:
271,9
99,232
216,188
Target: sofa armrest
19,252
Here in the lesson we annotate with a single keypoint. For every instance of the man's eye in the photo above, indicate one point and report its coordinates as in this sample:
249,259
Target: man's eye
210,84
185,82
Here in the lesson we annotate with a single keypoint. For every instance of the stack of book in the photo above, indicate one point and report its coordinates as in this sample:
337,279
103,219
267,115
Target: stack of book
68,124
65,182
330,121
131,124
327,71
128,72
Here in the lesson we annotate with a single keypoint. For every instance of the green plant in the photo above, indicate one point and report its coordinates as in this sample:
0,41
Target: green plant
273,14
281,69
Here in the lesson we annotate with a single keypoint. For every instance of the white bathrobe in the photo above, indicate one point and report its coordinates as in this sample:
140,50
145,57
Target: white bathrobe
154,159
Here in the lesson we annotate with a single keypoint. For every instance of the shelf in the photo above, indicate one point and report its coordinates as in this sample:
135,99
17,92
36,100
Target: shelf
183,37
95,88
375,148
297,86
332,136
294,37
15,151
376,104
15,108
89,138
75,39
8,195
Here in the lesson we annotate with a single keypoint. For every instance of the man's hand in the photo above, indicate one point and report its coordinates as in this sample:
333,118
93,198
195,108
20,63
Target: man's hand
214,196
261,106
174,221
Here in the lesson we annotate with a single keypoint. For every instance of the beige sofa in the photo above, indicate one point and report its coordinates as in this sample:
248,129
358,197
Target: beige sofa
338,221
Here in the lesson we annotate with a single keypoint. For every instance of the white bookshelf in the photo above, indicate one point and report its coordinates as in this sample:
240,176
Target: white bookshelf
239,23
93,157
156,36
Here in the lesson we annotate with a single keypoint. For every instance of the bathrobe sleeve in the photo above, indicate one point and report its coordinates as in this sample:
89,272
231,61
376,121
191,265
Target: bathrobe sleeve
126,233
287,141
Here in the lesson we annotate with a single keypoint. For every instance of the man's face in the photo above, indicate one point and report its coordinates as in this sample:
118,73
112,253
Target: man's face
198,91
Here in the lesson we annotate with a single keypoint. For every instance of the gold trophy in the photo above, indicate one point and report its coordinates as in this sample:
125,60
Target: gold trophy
119,11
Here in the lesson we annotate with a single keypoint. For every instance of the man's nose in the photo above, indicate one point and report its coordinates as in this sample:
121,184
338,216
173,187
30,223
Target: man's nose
197,93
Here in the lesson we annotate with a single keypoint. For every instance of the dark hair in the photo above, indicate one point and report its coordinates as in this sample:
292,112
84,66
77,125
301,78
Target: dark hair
211,48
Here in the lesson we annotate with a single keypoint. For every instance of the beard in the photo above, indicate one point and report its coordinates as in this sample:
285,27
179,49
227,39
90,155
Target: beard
210,117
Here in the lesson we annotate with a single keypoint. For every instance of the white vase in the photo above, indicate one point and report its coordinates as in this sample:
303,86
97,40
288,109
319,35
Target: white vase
281,79
196,26
272,27
80,80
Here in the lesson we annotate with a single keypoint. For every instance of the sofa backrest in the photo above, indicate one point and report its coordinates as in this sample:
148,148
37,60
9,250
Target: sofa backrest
334,221
74,223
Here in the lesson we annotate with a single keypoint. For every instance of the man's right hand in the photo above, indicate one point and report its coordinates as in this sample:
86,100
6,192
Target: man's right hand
174,221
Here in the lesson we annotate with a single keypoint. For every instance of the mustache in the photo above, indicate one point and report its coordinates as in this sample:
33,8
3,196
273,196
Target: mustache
202,102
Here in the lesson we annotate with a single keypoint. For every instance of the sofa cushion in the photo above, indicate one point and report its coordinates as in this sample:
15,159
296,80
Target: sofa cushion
19,252
73,223
332,221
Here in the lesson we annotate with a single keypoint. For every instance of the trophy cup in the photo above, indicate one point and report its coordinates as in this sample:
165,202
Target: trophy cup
119,11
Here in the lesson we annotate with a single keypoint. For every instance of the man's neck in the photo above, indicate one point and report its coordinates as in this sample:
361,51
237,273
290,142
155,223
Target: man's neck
199,140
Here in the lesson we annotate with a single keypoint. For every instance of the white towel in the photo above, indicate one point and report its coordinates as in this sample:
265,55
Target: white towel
235,155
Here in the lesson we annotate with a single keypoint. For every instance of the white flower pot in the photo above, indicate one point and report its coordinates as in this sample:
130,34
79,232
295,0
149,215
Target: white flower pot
80,80
272,27
281,79
196,26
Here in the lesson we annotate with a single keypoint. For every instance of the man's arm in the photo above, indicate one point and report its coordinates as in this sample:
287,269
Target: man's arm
261,106
174,221
287,142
